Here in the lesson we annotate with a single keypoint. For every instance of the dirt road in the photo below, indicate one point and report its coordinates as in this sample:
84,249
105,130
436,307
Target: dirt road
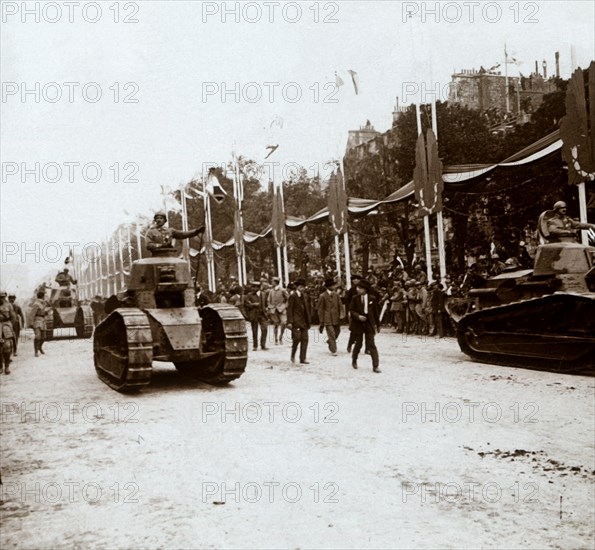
435,452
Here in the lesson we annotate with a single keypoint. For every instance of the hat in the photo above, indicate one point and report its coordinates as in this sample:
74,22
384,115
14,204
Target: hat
559,204
299,282
255,283
356,276
418,283
160,213
364,284
329,282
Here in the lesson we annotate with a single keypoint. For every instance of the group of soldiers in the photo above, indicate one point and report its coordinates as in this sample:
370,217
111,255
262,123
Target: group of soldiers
12,321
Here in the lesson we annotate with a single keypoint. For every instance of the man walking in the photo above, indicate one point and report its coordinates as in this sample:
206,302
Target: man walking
298,320
277,309
355,278
329,314
19,323
365,322
255,305
37,322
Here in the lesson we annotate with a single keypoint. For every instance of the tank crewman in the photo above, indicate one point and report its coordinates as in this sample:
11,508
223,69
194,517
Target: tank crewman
64,278
563,228
7,320
39,310
159,236
19,323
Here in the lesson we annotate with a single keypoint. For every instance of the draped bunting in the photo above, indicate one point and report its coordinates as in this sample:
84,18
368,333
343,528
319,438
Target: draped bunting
460,178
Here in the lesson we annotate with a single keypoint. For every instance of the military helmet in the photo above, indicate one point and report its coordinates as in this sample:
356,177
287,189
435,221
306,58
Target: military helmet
159,213
12,296
559,204
2,293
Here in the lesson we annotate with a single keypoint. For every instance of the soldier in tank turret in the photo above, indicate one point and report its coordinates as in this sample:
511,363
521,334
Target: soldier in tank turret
563,228
160,237
64,278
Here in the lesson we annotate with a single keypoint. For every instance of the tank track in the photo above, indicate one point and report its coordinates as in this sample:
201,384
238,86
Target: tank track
225,346
123,350
552,333
83,322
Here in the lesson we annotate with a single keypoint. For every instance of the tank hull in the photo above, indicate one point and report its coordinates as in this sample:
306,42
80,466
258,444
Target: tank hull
209,344
555,333
78,317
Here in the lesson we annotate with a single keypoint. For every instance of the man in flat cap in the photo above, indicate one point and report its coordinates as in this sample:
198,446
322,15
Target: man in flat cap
365,320
329,314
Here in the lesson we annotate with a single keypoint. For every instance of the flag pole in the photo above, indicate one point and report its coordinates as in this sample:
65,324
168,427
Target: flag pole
506,78
100,267
129,238
121,254
239,246
115,266
346,249
139,251
185,243
284,243
439,218
209,239
428,245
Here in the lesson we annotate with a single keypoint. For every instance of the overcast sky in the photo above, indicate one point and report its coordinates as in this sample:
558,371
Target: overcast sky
178,50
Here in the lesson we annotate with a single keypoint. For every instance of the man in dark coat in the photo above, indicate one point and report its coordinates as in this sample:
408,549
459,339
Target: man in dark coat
329,314
355,278
365,320
256,313
298,320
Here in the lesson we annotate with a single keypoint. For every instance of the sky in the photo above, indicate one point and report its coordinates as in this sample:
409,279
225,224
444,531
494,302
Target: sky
74,166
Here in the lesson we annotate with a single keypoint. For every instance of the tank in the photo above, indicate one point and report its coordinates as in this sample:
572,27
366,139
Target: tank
67,312
542,318
155,319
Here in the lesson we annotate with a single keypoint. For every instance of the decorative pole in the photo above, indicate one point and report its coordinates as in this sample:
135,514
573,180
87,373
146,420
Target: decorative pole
428,244
439,219
121,254
138,240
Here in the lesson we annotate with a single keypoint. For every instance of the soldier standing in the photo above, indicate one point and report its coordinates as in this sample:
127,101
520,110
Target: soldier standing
64,278
37,322
18,323
160,237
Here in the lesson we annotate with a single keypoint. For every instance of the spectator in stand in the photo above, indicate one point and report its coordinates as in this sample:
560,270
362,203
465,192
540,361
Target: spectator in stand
419,274
421,307
397,306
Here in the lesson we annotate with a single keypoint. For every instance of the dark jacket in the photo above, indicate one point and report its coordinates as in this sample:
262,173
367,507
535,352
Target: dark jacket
298,311
255,306
329,308
372,321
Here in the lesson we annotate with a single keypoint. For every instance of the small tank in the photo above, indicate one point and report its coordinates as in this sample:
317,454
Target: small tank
155,319
542,318
67,312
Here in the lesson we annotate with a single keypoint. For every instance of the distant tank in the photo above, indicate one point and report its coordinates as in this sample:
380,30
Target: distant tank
542,318
155,319
67,312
